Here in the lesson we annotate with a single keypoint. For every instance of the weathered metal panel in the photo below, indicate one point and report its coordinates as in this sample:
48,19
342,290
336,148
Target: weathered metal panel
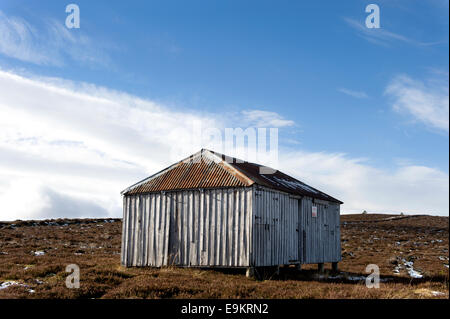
284,231
275,235
125,232
234,227
320,240
209,227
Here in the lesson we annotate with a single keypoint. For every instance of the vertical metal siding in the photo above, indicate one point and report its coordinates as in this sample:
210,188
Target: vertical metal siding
207,227
275,228
234,227
320,236
123,249
285,231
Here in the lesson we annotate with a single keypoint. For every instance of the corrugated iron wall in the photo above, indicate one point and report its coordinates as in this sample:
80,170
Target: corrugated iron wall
285,231
208,227
275,235
320,237
229,227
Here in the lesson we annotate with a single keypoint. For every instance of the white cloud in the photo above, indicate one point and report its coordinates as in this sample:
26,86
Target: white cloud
50,44
68,149
28,198
266,119
87,143
426,102
355,94
383,37
407,188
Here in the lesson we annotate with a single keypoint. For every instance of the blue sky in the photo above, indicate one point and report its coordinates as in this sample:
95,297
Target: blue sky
374,101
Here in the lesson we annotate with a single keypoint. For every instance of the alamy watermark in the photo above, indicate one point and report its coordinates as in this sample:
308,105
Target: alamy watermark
73,19
73,280
373,279
373,19
254,144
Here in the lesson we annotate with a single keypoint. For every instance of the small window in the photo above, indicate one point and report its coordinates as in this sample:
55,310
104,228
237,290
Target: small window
314,211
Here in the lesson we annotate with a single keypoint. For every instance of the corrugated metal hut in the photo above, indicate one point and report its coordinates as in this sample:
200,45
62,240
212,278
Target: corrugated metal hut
209,210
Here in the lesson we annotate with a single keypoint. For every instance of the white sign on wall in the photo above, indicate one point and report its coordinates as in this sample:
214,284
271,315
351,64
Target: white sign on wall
314,211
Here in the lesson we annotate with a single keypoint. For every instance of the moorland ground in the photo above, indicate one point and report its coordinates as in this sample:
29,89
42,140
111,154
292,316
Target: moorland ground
34,256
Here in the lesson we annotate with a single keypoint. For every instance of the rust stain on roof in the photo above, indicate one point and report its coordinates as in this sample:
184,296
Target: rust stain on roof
192,173
208,169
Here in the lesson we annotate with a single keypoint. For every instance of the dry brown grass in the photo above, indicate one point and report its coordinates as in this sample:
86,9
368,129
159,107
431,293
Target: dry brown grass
94,245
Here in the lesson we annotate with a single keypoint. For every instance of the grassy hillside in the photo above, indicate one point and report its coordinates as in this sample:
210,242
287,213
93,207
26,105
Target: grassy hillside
34,255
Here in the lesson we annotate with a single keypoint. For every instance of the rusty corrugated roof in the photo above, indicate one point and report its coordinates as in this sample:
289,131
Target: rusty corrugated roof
196,171
208,169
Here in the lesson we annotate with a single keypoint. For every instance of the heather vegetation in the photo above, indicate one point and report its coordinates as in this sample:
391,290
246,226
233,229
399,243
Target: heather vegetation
411,252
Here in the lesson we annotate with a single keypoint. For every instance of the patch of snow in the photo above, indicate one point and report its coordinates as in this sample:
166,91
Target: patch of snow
7,284
356,278
437,293
410,268
414,274
408,264
39,253
335,277
11,283
428,292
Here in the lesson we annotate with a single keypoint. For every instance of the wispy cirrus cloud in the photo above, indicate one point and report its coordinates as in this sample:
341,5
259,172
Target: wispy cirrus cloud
261,118
50,43
355,94
427,102
384,37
